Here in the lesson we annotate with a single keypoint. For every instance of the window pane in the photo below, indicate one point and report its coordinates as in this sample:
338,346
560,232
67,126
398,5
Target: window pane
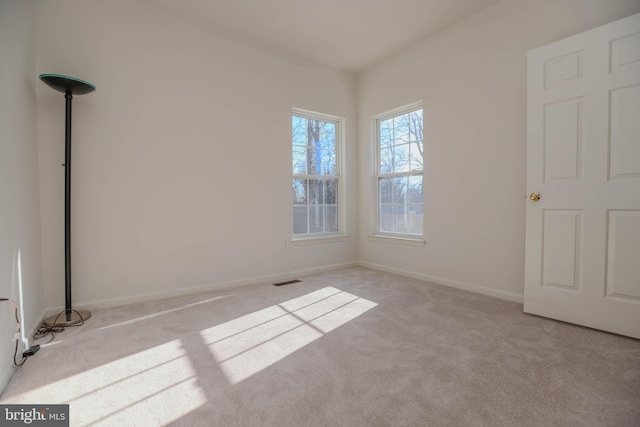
331,219
415,125
328,133
331,191
386,218
326,154
415,189
401,129
313,168
316,222
386,160
385,187
400,189
385,131
313,131
416,156
401,158
318,154
299,191
399,219
299,160
415,219
322,142
299,130
313,157
315,192
299,220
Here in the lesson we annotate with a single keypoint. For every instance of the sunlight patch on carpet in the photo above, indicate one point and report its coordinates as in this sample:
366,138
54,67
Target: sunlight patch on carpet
249,344
163,312
141,383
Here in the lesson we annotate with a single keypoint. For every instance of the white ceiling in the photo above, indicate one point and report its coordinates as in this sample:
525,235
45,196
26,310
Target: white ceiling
346,34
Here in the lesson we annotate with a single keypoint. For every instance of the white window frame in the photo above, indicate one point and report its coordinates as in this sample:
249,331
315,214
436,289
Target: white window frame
341,233
385,236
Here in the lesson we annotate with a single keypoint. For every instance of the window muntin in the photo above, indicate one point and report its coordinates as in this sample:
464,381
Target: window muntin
316,178
399,175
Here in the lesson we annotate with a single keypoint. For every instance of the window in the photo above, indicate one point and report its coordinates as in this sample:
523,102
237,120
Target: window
316,174
399,148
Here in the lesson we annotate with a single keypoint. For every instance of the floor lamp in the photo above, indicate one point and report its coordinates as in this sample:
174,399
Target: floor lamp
69,86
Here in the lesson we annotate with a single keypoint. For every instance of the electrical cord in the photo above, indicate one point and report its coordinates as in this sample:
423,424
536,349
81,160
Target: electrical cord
15,352
40,332
44,330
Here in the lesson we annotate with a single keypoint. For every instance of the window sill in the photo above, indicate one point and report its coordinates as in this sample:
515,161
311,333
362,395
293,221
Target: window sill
397,240
303,241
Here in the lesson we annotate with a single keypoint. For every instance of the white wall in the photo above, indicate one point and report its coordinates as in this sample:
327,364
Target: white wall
19,193
472,79
181,157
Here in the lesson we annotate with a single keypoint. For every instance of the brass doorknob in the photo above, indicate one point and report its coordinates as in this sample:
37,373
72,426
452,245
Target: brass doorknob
534,197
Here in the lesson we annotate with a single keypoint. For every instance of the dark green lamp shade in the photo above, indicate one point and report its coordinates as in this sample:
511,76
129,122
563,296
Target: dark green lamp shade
66,84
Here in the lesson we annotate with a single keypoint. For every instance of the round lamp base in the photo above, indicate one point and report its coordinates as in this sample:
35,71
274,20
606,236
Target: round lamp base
75,317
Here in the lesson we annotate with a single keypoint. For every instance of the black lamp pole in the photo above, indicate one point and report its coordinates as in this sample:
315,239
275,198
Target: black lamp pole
69,86
67,204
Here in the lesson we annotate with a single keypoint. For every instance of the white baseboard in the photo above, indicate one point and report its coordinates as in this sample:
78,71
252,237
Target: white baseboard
115,302
496,293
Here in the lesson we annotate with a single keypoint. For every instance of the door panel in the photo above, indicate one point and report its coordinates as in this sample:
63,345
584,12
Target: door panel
582,261
561,247
625,130
563,140
623,251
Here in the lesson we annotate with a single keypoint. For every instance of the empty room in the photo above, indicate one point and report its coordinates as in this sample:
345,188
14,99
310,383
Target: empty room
320,212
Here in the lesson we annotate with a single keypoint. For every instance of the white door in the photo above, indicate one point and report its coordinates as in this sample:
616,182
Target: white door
582,260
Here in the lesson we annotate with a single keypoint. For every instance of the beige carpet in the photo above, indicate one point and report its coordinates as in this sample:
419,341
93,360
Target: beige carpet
352,347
